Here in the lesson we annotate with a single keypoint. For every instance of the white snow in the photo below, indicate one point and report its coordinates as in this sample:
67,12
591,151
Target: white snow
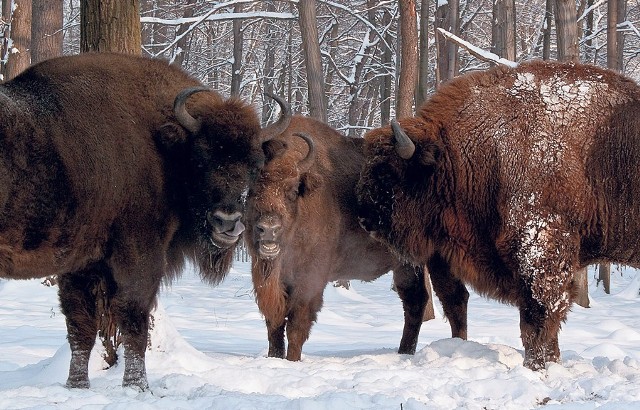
209,346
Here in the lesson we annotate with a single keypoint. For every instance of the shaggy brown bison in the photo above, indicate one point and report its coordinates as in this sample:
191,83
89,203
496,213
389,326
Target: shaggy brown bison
513,179
101,178
303,232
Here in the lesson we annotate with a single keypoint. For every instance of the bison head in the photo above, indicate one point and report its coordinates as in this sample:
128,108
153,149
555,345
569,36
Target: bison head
395,184
274,200
215,155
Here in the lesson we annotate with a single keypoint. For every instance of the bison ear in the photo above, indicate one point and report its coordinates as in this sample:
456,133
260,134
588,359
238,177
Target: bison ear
171,134
429,154
273,149
309,182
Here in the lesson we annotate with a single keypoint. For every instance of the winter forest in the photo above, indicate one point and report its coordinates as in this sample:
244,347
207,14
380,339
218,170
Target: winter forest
354,64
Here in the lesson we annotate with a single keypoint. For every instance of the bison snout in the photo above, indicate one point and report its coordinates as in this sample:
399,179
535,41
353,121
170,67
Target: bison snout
268,231
226,227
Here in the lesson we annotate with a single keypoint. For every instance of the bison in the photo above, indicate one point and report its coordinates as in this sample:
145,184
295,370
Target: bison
513,179
102,178
302,232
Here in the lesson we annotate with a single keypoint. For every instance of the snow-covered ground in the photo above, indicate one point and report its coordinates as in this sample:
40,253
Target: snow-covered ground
209,348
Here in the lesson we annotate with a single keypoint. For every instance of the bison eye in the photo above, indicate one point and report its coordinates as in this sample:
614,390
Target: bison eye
292,194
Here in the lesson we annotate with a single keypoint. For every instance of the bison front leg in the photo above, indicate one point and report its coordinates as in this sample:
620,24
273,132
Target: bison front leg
300,319
137,287
543,311
78,304
275,334
452,293
409,283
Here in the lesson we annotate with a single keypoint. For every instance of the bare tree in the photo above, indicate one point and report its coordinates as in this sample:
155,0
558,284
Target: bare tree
408,75
615,39
236,64
423,66
313,59
503,29
19,53
447,18
181,49
566,30
46,30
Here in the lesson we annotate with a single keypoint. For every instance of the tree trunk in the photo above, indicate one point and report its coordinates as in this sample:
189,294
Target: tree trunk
447,60
386,82
236,65
546,36
181,50
503,29
110,25
582,288
408,59
422,92
313,59
429,311
604,276
6,19
272,41
19,56
616,10
46,30
566,30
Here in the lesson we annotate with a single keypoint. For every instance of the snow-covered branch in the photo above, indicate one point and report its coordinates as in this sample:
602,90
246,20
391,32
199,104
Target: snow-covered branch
476,51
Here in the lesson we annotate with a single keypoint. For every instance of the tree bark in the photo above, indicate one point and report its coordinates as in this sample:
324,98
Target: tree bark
447,59
422,92
408,75
582,288
546,35
566,30
46,30
236,65
616,10
313,59
386,82
503,29
19,56
604,276
181,50
110,25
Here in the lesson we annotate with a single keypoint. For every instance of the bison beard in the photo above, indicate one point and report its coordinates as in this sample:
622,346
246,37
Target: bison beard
513,179
109,166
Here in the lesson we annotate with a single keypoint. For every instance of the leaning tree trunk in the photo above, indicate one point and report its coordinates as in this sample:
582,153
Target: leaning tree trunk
313,59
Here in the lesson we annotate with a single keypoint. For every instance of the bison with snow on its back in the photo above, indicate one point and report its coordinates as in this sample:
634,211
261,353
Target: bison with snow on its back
104,178
303,232
514,179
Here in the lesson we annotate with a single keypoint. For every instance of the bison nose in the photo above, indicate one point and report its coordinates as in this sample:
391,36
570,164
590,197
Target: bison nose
268,231
223,222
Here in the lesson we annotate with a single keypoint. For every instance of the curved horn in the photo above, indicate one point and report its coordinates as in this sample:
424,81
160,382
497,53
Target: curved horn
278,127
404,146
305,163
182,115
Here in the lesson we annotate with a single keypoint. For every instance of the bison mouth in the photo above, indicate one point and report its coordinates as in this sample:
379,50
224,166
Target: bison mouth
225,228
269,249
224,239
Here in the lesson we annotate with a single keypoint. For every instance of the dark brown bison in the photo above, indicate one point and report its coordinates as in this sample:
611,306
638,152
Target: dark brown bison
101,178
513,179
303,232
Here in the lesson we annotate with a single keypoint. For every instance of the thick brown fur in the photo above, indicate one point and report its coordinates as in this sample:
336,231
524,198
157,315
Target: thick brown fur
99,181
520,177
310,215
